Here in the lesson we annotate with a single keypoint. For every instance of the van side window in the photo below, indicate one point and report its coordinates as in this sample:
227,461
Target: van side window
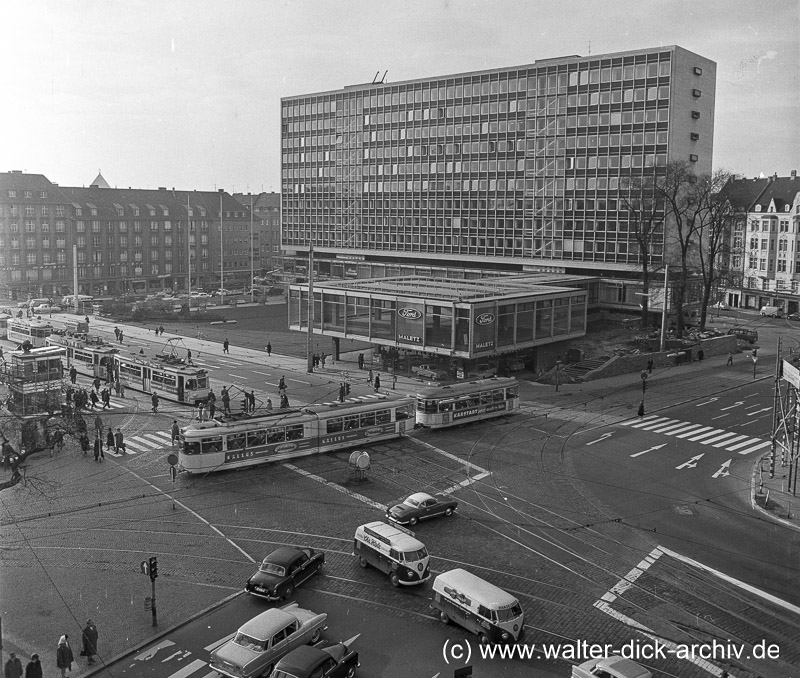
393,554
484,612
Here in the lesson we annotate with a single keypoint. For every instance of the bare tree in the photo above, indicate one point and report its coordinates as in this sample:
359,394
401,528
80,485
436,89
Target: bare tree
645,207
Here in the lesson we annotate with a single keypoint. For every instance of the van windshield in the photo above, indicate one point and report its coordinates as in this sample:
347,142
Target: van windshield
414,556
509,613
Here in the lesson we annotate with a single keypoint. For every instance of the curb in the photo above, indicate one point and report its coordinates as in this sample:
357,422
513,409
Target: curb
754,502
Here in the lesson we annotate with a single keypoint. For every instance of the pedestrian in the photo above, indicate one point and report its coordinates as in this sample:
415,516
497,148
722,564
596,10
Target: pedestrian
89,638
106,398
201,410
34,667
64,657
226,401
225,345
323,357
251,397
2,357
269,404
315,360
154,400
282,384
360,361
13,666
700,354
98,424
120,336
284,401
269,349
87,319
98,446
110,440
119,442
161,330
730,358
189,357
93,397
377,382
84,440
73,374
175,430
394,381
370,377
650,366
116,333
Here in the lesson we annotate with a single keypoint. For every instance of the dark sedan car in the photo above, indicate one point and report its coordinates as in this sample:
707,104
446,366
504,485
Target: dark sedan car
793,316
420,506
283,570
336,661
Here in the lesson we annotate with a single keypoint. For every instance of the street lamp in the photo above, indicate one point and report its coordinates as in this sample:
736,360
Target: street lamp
558,369
221,255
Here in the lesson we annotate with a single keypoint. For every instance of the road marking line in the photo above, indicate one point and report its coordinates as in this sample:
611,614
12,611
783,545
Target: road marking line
645,424
189,669
749,441
631,421
338,488
766,443
265,374
732,440
158,437
669,427
465,483
466,463
724,436
236,376
695,432
707,434
685,429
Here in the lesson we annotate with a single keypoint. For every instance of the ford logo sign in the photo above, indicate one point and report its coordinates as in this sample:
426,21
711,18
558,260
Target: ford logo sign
409,313
484,319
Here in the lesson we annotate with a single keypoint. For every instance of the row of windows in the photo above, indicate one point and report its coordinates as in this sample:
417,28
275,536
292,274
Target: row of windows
487,85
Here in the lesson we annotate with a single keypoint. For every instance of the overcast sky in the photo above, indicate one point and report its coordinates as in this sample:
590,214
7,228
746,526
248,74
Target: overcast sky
186,93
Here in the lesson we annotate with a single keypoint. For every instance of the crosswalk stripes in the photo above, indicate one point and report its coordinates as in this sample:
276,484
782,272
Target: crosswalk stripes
697,433
145,442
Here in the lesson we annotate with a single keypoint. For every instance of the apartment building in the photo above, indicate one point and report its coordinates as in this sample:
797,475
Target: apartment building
510,169
119,241
266,211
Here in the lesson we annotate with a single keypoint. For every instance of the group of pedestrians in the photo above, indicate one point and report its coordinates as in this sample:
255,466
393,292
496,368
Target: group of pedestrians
159,330
64,656
319,359
118,333
210,405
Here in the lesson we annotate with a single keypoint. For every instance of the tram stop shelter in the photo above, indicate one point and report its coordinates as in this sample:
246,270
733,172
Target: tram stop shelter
465,319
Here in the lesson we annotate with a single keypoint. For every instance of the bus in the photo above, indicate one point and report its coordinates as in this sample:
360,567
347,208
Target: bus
223,444
89,356
171,379
34,331
442,406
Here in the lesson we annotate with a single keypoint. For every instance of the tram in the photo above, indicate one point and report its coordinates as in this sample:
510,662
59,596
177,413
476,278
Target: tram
219,445
89,356
4,318
34,331
171,378
442,406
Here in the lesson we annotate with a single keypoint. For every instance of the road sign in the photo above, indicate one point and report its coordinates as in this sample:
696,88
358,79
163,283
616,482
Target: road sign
144,566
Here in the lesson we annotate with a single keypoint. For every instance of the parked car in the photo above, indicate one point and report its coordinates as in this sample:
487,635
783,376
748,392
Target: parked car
336,661
420,506
744,334
516,366
721,305
263,641
283,570
793,316
484,371
432,372
612,667
42,309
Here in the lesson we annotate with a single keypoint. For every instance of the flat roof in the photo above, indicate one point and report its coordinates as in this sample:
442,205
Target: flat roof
457,289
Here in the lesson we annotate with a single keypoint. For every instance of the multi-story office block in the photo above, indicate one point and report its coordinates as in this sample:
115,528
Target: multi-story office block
516,169
119,241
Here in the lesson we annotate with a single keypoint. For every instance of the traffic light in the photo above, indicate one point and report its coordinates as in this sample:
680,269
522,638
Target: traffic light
347,388
153,567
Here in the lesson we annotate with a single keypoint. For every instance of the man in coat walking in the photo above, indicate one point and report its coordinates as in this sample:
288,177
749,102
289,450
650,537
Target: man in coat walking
13,667
89,638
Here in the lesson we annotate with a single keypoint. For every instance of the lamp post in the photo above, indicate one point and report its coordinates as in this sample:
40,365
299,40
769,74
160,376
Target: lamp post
252,272
221,255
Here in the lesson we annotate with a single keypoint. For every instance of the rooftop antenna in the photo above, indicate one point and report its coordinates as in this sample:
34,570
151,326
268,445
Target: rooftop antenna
375,77
383,79
590,48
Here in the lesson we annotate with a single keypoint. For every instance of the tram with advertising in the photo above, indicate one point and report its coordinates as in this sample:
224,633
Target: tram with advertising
90,355
456,404
170,377
278,435
36,332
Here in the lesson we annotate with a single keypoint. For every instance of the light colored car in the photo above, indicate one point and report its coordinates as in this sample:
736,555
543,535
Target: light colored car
201,295
432,372
261,642
41,309
611,667
721,305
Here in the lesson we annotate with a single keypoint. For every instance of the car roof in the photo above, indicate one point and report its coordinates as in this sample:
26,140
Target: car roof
303,658
283,556
420,496
624,667
266,624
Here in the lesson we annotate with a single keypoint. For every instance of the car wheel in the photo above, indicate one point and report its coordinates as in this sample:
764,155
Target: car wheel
316,636
443,617
413,521
267,671
483,639
449,511
288,591
362,561
394,579
350,672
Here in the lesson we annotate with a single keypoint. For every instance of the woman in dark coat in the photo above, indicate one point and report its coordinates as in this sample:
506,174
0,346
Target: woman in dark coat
110,440
34,667
89,638
64,657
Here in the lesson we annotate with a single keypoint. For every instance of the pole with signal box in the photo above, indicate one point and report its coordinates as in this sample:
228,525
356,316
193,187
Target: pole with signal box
150,567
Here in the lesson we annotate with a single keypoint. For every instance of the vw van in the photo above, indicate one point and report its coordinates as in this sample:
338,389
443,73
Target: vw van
492,614
394,551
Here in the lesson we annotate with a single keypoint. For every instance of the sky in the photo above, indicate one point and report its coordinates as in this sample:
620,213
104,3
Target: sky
186,93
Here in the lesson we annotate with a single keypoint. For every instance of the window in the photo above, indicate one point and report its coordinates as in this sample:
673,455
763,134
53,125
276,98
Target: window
694,136
696,93
698,70
692,157
695,115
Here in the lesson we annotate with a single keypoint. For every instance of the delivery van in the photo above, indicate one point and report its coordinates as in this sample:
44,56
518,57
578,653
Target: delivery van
394,551
492,614
772,311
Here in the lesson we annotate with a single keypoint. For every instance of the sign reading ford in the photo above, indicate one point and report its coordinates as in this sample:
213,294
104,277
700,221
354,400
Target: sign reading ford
484,319
409,313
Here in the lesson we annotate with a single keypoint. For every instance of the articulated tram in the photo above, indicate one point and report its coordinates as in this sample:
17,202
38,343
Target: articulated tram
35,331
91,356
220,445
442,406
170,377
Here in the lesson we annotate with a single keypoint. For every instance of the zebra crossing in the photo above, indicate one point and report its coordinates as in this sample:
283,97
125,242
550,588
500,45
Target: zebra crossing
145,442
697,433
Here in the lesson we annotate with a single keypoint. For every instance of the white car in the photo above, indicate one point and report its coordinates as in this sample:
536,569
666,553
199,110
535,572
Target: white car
429,372
42,309
201,295
721,305
612,667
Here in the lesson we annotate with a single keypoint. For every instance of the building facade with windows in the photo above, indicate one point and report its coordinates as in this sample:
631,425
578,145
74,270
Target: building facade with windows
765,242
125,241
266,210
510,169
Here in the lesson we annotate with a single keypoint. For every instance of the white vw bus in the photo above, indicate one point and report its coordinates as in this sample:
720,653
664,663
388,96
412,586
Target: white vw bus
393,550
469,601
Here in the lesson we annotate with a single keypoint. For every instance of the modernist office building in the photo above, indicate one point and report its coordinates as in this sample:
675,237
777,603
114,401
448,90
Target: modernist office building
516,169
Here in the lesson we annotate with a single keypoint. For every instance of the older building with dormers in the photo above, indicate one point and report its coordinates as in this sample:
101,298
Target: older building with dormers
119,241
